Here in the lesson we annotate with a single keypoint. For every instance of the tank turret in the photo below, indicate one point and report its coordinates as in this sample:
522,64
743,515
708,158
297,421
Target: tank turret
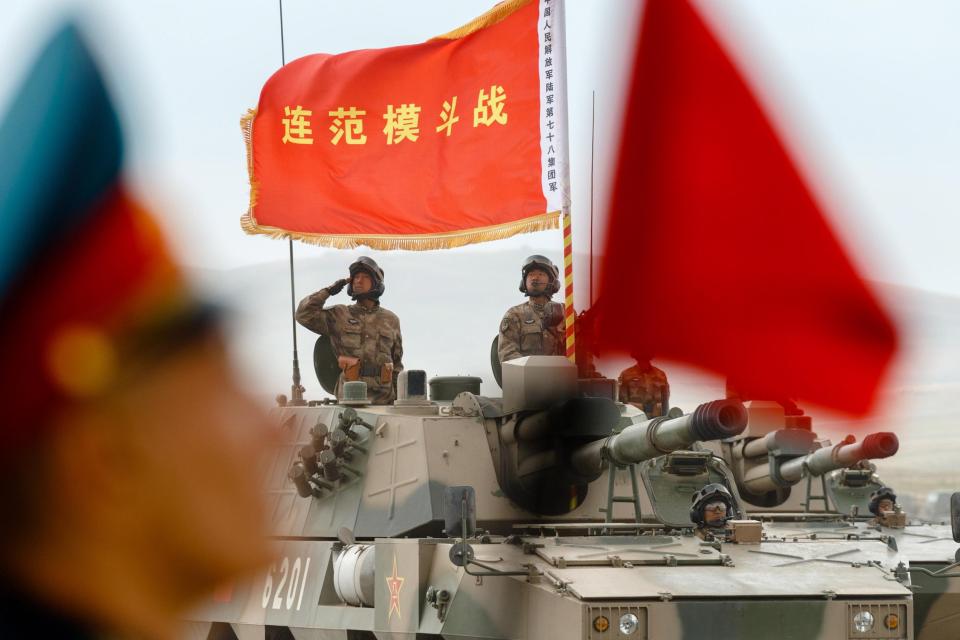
779,448
546,458
549,442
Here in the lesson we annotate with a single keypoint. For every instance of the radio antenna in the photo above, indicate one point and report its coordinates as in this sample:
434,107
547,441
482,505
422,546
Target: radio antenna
593,127
296,390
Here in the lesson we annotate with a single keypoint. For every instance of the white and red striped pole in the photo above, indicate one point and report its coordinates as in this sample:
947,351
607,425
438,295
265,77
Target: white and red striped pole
569,315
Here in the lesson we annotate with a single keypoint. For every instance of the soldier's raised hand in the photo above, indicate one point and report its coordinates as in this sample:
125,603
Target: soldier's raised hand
338,286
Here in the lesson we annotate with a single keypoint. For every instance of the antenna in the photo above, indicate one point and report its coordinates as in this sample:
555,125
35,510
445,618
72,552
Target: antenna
296,390
593,127
283,50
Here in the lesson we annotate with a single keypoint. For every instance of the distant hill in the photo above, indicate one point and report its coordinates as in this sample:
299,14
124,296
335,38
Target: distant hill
450,304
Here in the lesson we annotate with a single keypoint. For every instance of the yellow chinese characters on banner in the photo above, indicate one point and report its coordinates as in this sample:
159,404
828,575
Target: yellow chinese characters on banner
402,122
348,123
489,107
447,117
296,127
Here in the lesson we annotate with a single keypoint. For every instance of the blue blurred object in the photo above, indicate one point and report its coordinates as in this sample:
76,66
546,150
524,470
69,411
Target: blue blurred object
61,149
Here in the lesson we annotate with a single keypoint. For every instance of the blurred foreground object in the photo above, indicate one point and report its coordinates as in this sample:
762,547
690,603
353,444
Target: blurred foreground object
125,445
749,279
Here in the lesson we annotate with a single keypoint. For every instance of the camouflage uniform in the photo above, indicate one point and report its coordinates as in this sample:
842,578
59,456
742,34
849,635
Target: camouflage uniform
372,335
531,329
645,388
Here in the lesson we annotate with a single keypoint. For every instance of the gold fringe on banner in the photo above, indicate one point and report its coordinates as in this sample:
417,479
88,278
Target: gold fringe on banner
246,128
420,242
488,19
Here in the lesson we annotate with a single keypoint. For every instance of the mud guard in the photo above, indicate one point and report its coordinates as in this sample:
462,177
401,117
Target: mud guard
495,361
325,364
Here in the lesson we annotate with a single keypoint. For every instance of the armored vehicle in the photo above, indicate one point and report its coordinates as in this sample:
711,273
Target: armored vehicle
452,515
804,488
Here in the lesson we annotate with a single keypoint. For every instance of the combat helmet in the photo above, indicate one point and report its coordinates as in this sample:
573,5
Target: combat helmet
877,496
537,261
710,493
372,269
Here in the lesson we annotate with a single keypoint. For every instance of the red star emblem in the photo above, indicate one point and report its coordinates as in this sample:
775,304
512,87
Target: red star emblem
394,583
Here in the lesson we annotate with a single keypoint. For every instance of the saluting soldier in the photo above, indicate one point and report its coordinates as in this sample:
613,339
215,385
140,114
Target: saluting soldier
533,328
365,336
645,387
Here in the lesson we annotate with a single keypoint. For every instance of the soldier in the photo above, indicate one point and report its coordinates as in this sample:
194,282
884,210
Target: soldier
883,499
365,336
645,387
533,328
712,507
883,505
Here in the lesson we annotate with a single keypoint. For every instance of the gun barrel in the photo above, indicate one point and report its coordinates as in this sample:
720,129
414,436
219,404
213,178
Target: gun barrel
874,446
638,442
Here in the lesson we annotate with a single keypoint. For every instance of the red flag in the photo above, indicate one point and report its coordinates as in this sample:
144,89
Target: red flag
717,251
456,140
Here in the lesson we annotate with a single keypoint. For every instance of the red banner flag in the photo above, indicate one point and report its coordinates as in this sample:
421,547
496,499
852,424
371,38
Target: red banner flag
717,252
457,140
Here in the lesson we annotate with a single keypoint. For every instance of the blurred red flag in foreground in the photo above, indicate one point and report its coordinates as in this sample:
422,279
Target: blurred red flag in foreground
717,253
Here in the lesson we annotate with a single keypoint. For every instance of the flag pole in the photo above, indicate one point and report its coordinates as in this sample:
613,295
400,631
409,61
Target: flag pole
557,46
593,129
569,315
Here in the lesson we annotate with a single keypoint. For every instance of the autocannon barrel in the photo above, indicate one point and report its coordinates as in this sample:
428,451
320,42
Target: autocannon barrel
779,474
710,421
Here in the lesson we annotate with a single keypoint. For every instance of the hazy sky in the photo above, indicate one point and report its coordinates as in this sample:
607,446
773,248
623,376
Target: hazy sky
865,90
